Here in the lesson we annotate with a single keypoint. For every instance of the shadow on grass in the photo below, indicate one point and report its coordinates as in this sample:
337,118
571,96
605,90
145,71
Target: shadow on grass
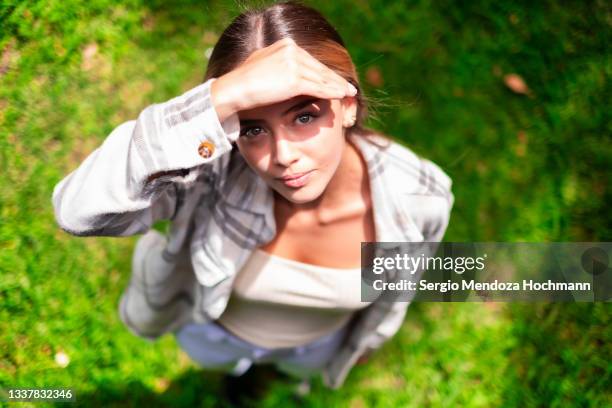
193,388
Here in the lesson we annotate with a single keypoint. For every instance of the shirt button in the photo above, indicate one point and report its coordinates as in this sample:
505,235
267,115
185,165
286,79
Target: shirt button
206,149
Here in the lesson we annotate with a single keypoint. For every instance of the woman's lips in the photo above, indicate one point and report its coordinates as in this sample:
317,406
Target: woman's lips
298,181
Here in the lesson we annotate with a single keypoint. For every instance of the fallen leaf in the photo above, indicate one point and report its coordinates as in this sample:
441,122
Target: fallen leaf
516,84
88,55
374,77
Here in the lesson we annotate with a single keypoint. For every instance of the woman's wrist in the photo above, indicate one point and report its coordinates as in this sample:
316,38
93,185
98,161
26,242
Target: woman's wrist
222,99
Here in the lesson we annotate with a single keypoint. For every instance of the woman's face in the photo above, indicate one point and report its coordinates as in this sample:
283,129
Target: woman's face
303,136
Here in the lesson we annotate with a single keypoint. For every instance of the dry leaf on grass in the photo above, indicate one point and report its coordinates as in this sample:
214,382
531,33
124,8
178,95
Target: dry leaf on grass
516,84
89,52
374,77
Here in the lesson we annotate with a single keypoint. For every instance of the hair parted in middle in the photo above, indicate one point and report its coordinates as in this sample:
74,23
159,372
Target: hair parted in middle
257,28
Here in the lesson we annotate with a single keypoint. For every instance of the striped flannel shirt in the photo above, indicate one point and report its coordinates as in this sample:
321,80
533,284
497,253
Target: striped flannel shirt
149,169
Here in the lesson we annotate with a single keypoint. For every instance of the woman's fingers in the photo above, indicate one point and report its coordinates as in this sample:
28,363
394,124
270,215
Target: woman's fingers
326,85
329,85
316,88
315,68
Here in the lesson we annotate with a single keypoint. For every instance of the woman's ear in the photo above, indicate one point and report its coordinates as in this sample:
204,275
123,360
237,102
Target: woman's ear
349,111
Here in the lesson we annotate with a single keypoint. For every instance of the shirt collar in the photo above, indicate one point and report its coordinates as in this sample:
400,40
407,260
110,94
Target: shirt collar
393,222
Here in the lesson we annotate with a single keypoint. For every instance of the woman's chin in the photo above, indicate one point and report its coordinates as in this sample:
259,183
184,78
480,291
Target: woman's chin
302,195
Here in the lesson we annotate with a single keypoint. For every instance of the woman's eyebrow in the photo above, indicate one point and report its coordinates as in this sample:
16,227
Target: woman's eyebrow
294,108
300,105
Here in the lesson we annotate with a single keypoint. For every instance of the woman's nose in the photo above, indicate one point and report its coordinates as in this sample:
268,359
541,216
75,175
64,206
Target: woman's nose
285,152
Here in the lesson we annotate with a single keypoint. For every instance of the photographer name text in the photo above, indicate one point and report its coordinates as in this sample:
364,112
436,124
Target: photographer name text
442,287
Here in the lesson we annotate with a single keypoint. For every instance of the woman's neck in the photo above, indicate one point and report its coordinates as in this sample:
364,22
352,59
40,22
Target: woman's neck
347,194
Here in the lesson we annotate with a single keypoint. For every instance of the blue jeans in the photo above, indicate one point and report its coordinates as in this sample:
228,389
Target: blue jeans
214,347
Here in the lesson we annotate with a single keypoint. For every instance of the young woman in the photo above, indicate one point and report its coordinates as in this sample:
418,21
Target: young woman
271,182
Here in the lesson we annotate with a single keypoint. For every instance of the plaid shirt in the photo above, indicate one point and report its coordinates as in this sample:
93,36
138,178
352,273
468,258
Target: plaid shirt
150,169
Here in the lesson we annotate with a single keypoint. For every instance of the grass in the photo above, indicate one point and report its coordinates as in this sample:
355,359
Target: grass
525,168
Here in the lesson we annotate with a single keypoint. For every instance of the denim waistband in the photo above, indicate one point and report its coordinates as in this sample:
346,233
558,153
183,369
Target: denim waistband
218,331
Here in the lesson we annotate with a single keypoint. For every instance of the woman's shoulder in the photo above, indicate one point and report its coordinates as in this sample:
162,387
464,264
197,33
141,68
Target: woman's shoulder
423,187
416,174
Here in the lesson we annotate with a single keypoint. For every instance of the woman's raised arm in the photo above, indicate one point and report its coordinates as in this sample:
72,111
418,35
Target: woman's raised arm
129,182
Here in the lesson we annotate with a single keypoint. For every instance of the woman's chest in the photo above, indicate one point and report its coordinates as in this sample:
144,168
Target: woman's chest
335,244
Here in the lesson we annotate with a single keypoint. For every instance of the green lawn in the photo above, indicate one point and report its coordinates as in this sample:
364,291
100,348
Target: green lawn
526,167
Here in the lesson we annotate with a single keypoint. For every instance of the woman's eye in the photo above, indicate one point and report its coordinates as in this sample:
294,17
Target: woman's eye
305,118
255,131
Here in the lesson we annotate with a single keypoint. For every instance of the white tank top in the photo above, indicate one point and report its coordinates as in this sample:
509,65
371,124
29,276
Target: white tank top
278,302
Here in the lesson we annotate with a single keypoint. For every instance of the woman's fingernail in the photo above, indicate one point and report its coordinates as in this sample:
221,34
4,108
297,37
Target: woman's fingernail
352,89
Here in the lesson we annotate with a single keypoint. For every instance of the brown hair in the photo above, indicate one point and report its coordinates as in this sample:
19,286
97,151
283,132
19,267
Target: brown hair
258,28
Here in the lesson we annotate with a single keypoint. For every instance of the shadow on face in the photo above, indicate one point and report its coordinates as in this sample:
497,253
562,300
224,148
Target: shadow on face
301,135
